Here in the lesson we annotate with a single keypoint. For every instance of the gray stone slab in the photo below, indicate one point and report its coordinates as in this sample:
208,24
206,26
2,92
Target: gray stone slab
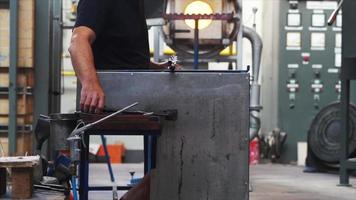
204,154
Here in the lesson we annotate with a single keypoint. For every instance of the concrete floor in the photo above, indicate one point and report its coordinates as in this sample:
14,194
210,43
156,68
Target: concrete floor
269,182
285,182
99,176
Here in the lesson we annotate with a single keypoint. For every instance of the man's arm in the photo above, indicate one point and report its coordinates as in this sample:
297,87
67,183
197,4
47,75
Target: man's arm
92,98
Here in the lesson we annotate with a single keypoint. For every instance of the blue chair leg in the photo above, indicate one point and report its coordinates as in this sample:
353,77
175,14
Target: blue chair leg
150,152
107,157
84,170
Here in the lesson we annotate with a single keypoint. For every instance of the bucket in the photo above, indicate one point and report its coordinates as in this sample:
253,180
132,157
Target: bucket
61,126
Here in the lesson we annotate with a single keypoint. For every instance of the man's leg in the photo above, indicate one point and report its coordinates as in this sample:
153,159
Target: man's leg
140,191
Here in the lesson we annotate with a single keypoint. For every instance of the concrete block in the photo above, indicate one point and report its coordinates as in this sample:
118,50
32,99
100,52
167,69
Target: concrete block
204,154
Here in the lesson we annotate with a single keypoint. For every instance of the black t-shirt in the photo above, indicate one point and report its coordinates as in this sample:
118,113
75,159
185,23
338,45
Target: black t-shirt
121,32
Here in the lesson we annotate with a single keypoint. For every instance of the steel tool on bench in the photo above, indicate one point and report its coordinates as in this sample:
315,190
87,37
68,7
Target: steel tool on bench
75,139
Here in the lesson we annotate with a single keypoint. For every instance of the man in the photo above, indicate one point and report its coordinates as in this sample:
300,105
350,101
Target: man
109,34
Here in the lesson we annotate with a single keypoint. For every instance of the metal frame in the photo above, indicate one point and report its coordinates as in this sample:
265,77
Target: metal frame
42,58
348,73
345,164
56,55
239,43
13,75
196,19
47,73
149,154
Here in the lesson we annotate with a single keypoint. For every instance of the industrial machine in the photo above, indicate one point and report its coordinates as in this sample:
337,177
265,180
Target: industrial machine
310,87
217,23
202,29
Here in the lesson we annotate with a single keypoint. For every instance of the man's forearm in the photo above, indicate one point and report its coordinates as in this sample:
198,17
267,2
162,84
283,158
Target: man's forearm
92,97
83,61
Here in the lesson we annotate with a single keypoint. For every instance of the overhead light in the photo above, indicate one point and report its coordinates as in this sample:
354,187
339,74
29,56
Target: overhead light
198,7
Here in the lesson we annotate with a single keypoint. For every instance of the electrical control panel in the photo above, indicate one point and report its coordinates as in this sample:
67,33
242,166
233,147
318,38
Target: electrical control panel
310,62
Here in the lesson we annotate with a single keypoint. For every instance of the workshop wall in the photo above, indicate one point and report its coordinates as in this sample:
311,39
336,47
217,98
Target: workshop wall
270,65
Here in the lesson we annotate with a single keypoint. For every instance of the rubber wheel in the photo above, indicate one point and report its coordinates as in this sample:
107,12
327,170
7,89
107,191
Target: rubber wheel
325,133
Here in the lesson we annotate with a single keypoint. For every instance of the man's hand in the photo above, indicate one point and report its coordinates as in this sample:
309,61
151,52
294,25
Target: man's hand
92,98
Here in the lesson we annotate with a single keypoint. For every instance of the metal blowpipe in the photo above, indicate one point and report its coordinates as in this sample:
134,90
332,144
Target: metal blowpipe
88,126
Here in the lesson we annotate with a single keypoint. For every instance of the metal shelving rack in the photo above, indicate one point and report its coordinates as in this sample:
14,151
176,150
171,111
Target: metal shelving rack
16,91
13,76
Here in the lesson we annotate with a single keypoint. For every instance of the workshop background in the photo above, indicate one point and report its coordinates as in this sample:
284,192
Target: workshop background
301,137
